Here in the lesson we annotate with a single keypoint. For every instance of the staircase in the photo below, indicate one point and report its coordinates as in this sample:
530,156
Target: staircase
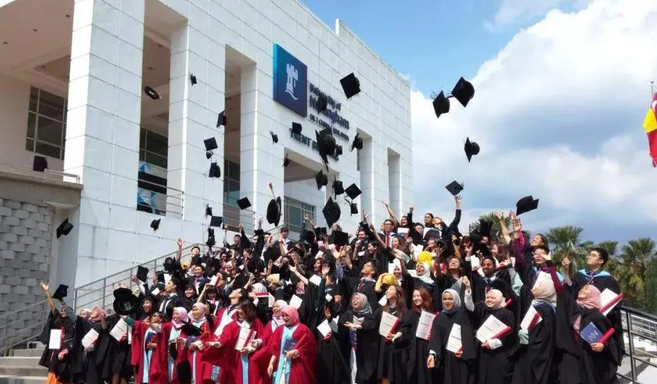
23,366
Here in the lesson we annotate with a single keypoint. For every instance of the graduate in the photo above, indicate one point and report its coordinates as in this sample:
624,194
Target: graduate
59,361
392,355
262,355
149,353
362,337
331,365
90,365
173,341
195,344
599,360
294,351
416,365
454,367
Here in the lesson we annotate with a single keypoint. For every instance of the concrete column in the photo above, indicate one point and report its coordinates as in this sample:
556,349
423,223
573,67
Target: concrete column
260,160
102,137
394,183
366,154
192,118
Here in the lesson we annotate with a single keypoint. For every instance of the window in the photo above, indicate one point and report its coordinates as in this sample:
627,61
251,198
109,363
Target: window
46,124
295,210
153,148
231,175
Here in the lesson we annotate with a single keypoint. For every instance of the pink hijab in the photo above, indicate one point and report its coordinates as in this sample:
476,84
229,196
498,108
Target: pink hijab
182,317
201,312
292,313
593,300
278,320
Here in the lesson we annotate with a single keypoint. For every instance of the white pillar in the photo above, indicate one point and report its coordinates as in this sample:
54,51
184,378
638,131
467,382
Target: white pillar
102,136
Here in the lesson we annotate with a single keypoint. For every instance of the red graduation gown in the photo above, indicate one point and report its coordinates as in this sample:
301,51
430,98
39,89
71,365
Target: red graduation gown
262,356
157,372
181,350
196,359
214,356
302,370
233,360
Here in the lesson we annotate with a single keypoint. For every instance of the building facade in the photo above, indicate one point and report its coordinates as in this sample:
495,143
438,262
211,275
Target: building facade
72,80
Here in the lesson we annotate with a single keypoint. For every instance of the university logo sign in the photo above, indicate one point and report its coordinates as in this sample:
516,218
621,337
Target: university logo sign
290,81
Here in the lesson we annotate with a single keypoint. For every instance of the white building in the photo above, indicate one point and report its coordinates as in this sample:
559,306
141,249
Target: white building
72,79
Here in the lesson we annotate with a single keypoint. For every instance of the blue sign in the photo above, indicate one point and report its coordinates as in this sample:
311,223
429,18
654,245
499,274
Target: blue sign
290,81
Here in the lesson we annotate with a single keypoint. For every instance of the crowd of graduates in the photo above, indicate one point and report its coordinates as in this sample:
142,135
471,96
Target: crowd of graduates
404,303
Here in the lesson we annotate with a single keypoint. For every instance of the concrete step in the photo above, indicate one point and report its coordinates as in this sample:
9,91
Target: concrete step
19,361
7,379
22,366
36,352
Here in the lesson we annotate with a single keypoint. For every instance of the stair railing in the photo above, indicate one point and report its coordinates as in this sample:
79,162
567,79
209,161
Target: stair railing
639,364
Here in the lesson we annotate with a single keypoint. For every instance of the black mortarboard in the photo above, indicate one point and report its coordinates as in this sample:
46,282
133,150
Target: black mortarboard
354,208
191,330
64,228
211,240
357,143
286,160
274,137
296,128
184,370
210,144
463,91
454,188
160,277
221,119
61,292
243,203
321,179
340,238
142,273
39,164
322,103
155,224
150,92
192,79
350,85
208,210
485,227
353,191
440,104
338,150
125,303
215,171
274,211
338,187
325,144
309,236
471,148
331,212
216,221
526,204
208,154
320,231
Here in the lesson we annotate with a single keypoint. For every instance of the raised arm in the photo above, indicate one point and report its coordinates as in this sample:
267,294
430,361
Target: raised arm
503,227
51,303
391,214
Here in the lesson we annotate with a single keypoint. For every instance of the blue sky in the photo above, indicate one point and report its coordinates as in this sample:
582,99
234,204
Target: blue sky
562,87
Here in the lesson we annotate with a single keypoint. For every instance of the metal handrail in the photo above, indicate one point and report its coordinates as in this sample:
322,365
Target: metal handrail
639,360
29,171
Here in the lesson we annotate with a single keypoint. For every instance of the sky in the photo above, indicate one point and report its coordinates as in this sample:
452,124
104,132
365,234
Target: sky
562,88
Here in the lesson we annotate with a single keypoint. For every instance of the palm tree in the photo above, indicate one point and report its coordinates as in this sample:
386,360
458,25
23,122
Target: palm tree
610,246
496,229
634,260
567,240
651,287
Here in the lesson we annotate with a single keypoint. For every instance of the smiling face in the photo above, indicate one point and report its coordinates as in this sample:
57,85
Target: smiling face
147,306
276,309
287,319
355,303
235,297
156,318
391,293
419,269
417,298
448,301
583,293
196,312
491,299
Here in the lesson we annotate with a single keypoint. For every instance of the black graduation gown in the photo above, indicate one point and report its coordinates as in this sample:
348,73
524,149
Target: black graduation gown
567,350
367,345
494,366
90,367
114,354
393,356
65,369
443,282
331,365
454,370
534,363
416,365
598,367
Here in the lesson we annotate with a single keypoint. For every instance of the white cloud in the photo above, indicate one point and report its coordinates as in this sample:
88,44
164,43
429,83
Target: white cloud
520,11
558,115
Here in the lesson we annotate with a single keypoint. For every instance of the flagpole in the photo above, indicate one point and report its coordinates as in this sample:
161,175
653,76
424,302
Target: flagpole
652,88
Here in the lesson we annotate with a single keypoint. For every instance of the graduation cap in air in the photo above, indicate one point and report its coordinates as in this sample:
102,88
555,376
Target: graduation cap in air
322,103
61,292
471,148
357,143
215,221
309,236
155,224
210,145
64,228
353,208
215,171
463,91
340,238
454,188
350,85
39,164
274,211
485,228
338,187
192,79
274,137
211,240
221,119
208,210
321,179
286,160
353,191
331,212
338,150
243,203
526,204
150,92
320,231
125,303
440,104
325,144
296,128
142,273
